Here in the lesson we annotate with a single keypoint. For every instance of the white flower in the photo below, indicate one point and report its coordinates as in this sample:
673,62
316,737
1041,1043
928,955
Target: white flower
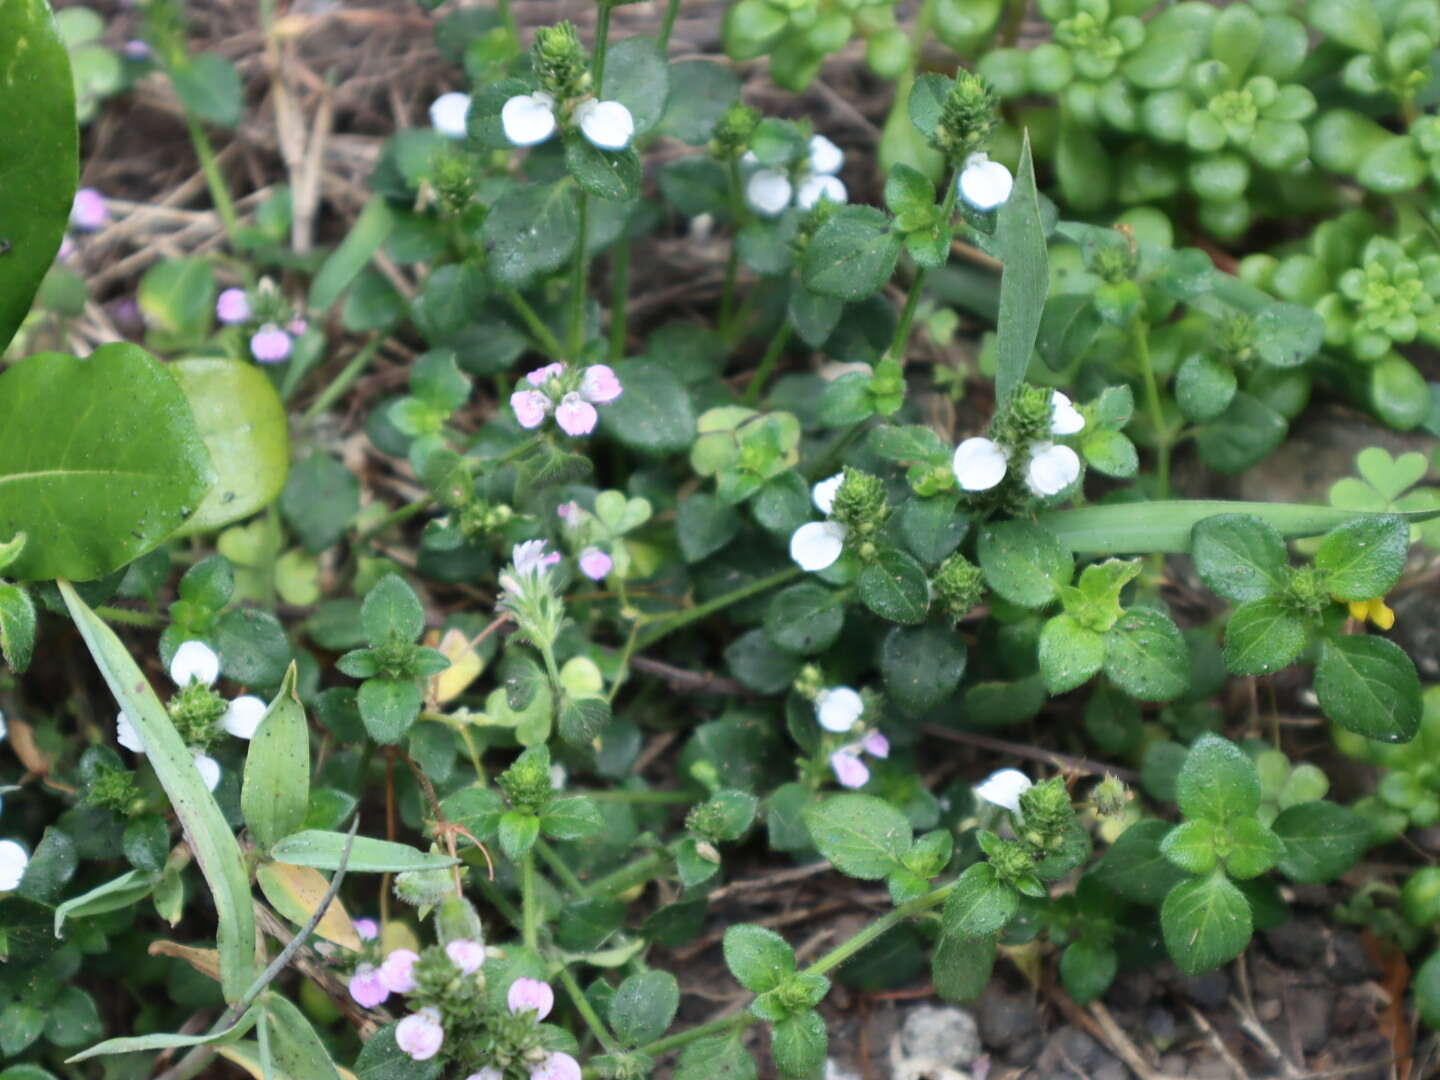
528,119
243,716
13,860
209,770
126,735
607,124
817,544
448,112
979,464
3,729
816,187
194,660
768,192
825,157
823,493
1052,469
985,184
1004,788
838,708
1065,419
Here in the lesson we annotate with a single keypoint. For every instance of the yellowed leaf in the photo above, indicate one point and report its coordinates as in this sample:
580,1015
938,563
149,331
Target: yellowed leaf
245,1055
296,891
205,961
465,667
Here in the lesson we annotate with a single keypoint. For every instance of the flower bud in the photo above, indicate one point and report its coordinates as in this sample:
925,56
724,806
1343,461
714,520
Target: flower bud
860,503
958,585
527,782
561,65
967,117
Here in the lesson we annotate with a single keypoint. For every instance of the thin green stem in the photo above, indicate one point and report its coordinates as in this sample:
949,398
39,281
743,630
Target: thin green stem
396,516
529,902
577,276
619,298
214,179
683,1038
127,617
622,672
557,865
1140,332
547,341
641,797
342,381
768,362
507,19
672,8
602,42
682,619
587,1011
627,877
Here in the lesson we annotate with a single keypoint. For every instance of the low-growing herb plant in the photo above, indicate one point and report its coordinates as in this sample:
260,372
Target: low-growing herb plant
420,652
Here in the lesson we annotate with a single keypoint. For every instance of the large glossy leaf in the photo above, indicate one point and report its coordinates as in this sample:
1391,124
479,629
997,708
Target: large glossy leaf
38,153
1142,528
242,423
100,461
204,826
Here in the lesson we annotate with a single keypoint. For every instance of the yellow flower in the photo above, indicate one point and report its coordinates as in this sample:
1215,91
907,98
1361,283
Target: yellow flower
1375,609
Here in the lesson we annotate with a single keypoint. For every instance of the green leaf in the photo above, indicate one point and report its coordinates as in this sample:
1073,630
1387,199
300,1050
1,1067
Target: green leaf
17,626
245,430
100,461
895,587
606,174
921,666
1204,385
798,1044
961,966
1241,436
981,904
583,720
20,1025
804,619
39,147
276,791
1368,685
1218,781
201,820
1020,241
1069,653
1426,984
1364,558
138,1043
323,851
1252,849
852,255
320,499
366,237
1239,556
1353,23
863,836
1087,968
1206,922
392,612
704,525
1192,845
759,959
1262,637
531,231
295,1048
572,818
388,707
382,1059
1322,840
114,895
177,298
700,92
644,1005
654,415
1024,562
1144,528
719,1057
209,86
1146,656
637,76
517,833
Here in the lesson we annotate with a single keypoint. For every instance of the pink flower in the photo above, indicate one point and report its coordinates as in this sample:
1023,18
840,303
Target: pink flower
530,557
530,407
531,994
88,212
575,415
367,929
270,344
568,512
541,375
398,971
232,306
297,326
136,50
67,248
420,1034
849,769
489,1072
466,955
876,745
595,564
557,1066
367,986
599,384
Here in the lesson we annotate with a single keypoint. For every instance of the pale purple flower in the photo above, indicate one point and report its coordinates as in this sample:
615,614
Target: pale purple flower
367,929
531,407
466,955
420,1034
531,557
575,415
367,986
558,1066
136,50
530,994
232,306
297,326
596,564
569,512
876,745
600,384
270,344
542,375
849,769
88,212
489,1072
67,248
398,971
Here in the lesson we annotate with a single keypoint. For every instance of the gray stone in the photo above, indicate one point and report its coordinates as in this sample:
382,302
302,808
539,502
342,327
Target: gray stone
1352,961
834,1071
1209,991
1004,1018
1299,943
934,1043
